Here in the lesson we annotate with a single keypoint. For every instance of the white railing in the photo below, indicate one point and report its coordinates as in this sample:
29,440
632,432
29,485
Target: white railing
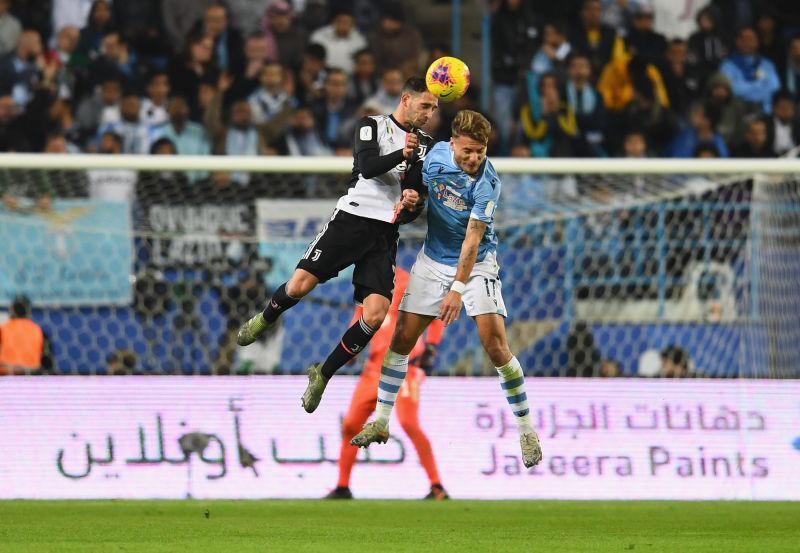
280,164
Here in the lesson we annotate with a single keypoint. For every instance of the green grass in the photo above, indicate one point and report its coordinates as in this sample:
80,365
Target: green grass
552,526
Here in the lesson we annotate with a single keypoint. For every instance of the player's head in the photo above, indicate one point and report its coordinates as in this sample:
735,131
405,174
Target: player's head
470,136
416,103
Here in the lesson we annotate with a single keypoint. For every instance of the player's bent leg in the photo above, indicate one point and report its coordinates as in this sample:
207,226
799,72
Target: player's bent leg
492,332
285,297
410,327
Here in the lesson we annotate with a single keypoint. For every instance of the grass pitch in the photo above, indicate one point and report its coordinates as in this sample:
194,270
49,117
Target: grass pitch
350,526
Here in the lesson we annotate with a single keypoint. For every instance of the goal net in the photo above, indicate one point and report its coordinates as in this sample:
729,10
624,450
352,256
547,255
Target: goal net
618,267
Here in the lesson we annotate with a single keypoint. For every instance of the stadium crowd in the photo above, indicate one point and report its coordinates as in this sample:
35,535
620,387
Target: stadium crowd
580,78
577,78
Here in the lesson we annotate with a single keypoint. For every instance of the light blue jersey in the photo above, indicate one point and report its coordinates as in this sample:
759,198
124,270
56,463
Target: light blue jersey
453,198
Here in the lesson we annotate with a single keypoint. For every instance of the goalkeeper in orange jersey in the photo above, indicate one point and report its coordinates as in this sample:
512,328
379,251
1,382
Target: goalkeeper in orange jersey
366,393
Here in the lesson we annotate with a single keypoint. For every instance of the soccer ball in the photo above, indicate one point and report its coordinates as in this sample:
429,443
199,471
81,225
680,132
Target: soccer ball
447,78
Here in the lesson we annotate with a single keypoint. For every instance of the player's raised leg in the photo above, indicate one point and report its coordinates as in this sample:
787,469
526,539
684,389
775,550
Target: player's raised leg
285,297
410,327
355,339
492,332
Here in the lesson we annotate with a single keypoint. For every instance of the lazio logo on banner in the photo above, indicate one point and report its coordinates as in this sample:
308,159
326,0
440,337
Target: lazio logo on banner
77,252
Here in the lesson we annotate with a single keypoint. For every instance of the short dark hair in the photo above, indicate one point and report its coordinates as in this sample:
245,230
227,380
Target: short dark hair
162,142
782,94
415,85
21,307
317,51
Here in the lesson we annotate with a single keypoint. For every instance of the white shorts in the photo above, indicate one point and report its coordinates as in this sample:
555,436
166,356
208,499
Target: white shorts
430,282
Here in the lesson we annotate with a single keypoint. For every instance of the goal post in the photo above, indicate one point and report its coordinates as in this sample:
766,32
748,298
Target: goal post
636,266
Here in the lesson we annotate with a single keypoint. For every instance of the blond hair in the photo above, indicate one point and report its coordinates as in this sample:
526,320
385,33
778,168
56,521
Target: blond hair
472,124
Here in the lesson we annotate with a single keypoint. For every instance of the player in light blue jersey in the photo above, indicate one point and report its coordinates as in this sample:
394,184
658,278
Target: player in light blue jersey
457,265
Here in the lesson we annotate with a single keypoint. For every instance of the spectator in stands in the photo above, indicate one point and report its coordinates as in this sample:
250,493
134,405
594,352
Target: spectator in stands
341,39
515,35
388,94
270,104
396,43
136,136
753,78
12,128
101,108
111,185
706,47
705,150
675,19
311,77
239,137
21,69
783,129
193,66
700,131
679,79
246,15
189,137
286,37
587,104
725,109
98,24
179,17
62,122
10,28
63,56
256,56
228,53
635,144
139,24
635,94
642,39
335,116
38,15
117,60
24,346
549,127
674,362
770,44
552,56
73,13
302,137
364,80
154,105
593,37
756,140
790,72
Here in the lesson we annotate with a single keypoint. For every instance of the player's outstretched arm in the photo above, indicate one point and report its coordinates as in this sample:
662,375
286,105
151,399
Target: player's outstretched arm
451,306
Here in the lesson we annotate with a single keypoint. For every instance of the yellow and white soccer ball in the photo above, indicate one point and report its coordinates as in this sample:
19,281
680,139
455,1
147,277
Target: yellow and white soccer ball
447,78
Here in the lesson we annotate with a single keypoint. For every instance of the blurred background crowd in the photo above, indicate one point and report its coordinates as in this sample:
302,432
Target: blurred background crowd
273,77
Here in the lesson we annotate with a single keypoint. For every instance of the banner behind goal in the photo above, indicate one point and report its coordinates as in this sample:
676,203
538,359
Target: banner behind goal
149,264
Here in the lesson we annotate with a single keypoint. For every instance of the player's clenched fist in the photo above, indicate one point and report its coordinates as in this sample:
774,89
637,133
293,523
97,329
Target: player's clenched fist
412,143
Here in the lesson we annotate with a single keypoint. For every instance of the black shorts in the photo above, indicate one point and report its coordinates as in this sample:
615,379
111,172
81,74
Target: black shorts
347,239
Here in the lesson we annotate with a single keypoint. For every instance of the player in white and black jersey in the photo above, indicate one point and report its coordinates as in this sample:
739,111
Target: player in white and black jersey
363,230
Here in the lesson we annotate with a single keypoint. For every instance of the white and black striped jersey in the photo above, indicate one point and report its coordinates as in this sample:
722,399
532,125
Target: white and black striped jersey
379,168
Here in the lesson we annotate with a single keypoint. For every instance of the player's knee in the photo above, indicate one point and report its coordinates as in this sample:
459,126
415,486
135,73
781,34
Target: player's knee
301,284
374,317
